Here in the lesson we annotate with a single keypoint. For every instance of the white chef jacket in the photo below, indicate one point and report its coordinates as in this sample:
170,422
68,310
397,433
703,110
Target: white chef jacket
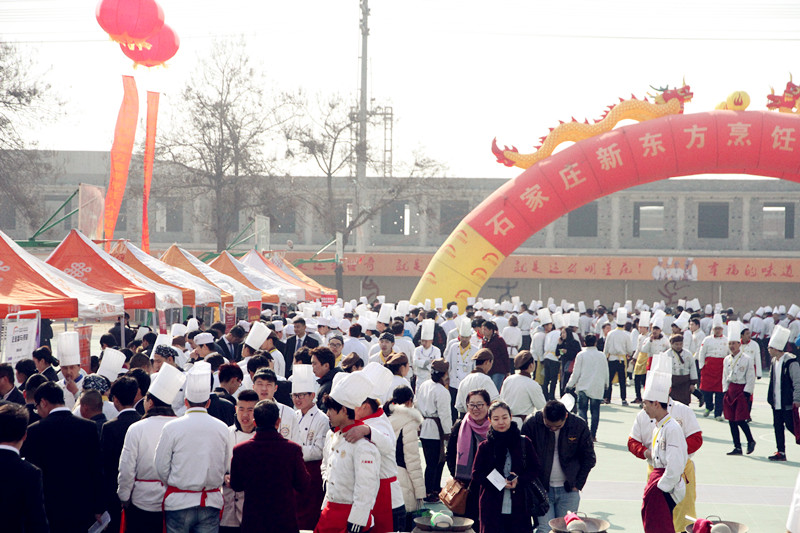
476,380
712,347
618,345
193,454
433,400
590,374
584,324
397,381
422,360
738,369
653,346
309,432
697,340
753,350
537,345
525,321
522,394
351,345
288,425
460,360
382,434
137,463
513,337
376,355
756,324
234,501
669,452
280,363
687,368
643,425
551,344
71,400
351,472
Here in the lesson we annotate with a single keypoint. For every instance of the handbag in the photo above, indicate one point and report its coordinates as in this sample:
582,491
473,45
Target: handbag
454,496
535,494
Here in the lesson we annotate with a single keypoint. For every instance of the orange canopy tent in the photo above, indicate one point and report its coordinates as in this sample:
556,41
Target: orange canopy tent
241,294
28,283
255,259
296,273
82,259
195,290
273,291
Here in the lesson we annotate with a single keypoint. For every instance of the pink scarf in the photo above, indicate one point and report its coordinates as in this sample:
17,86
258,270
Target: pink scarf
465,452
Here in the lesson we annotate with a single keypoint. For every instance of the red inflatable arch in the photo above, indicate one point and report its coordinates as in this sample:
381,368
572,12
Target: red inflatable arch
761,143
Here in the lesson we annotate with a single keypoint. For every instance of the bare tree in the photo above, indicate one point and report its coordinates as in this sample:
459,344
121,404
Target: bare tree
25,102
226,118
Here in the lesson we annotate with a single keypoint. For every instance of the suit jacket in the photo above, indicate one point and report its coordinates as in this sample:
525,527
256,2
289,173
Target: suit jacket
269,506
226,353
291,347
67,450
33,416
111,440
21,496
15,396
222,410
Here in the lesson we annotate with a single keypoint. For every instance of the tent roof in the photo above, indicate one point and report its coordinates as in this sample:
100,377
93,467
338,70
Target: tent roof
296,273
28,283
253,257
84,260
180,258
195,290
260,278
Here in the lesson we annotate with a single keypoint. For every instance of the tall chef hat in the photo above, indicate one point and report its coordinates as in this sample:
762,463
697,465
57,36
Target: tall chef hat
402,307
544,316
656,386
166,383
682,321
192,325
111,364
644,319
198,383
381,379
581,307
303,379
717,321
622,316
558,320
385,314
68,348
177,330
162,340
141,332
734,331
465,327
427,329
257,335
793,310
661,363
351,390
708,309
780,336
574,319
204,338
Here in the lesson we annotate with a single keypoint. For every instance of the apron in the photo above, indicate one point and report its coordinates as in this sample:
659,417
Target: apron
333,518
656,517
711,376
640,368
310,501
687,504
382,510
735,405
539,373
680,389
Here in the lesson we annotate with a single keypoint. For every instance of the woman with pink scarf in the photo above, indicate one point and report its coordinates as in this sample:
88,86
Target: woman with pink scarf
465,437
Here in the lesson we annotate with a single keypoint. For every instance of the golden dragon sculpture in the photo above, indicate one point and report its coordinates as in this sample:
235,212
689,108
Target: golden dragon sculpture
666,102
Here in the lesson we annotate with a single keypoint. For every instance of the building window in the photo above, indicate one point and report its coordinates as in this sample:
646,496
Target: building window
8,214
712,220
582,222
169,216
778,220
394,219
282,220
648,219
451,212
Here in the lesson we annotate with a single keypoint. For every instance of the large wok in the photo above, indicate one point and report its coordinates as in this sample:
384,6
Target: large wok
593,525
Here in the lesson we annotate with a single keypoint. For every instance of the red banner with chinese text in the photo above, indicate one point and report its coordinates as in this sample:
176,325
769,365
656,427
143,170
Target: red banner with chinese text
85,344
121,151
149,157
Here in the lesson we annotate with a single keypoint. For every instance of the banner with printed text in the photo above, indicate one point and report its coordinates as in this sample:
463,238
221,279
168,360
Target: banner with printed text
22,338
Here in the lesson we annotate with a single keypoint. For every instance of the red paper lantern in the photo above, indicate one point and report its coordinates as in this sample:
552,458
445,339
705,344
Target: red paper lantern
130,22
163,45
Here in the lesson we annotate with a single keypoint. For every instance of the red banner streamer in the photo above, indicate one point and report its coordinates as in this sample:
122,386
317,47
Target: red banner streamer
149,157
121,151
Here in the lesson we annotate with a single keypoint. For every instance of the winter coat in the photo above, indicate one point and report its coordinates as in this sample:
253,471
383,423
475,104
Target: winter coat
406,422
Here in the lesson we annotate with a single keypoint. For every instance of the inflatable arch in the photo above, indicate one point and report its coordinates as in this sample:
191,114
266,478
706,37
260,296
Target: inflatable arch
671,144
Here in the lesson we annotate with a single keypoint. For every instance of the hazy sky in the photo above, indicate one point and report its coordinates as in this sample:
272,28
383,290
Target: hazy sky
457,73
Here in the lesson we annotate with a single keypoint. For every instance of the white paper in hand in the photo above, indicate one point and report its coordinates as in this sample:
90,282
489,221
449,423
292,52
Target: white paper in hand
101,525
497,479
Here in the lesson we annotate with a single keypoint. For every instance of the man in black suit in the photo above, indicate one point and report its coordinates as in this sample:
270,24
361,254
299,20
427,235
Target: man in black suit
230,344
67,450
21,497
8,391
297,341
123,392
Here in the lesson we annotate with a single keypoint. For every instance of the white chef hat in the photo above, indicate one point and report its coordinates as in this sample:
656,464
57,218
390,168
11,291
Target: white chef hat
385,314
322,321
717,321
544,316
380,377
257,335
465,327
581,307
574,319
644,319
289,330
558,320
245,325
198,383
402,307
351,390
596,304
438,303
166,383
708,309
192,325
204,338
303,379
453,309
779,338
735,331
693,304
344,325
470,300
793,310
682,321
68,348
278,326
177,330
111,364
622,316
661,362
427,329
656,386
681,303
141,332
162,340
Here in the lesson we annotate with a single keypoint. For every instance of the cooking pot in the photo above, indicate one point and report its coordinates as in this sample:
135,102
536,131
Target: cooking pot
736,527
459,524
593,525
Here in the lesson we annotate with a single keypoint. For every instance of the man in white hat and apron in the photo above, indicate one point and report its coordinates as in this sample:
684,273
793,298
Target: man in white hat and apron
350,469
425,354
738,382
139,489
69,358
710,356
667,454
459,358
193,474
784,389
311,427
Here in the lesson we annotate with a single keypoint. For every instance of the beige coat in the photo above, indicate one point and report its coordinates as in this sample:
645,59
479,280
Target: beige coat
408,420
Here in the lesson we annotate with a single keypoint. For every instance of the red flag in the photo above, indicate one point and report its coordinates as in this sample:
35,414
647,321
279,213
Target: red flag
149,156
121,151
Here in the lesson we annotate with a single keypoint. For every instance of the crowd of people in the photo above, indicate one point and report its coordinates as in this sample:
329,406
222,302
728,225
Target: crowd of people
320,419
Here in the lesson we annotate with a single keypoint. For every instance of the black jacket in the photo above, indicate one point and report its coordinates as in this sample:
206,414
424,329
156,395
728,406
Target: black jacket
234,356
111,440
222,409
788,387
21,496
291,347
67,450
325,384
575,449
16,396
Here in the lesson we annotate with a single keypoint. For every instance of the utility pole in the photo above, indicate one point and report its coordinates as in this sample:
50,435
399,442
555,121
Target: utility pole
361,150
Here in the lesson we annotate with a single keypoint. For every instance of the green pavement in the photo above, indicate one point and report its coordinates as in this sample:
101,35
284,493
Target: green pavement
747,489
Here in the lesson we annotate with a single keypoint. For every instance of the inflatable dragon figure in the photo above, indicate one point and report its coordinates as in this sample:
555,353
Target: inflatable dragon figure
666,102
788,102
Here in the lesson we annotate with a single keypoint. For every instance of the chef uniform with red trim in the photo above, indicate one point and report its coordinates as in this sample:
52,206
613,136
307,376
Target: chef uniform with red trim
711,355
192,454
349,470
